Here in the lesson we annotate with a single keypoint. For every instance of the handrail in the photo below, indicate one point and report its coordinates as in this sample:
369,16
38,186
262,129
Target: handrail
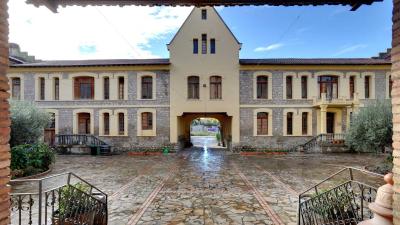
79,139
340,171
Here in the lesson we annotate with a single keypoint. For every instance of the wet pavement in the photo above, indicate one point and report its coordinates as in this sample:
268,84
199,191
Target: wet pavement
212,186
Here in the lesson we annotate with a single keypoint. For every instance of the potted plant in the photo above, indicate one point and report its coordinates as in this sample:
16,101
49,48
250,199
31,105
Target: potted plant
73,206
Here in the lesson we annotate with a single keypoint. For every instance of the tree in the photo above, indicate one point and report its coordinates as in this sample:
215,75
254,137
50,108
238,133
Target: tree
27,122
372,128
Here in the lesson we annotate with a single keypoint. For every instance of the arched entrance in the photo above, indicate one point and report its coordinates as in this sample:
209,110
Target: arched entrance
206,132
223,125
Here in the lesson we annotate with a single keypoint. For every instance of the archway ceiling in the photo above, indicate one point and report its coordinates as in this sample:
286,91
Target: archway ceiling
54,4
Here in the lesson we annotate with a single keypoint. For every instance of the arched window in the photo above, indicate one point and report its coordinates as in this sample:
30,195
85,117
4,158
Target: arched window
193,87
84,88
106,88
367,86
390,86
215,87
121,88
262,123
147,121
304,87
262,87
304,123
56,88
147,87
121,123
16,88
352,84
289,123
289,87
42,88
329,86
106,128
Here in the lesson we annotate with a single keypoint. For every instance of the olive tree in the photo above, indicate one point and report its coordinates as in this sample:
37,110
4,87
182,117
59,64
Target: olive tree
371,128
27,122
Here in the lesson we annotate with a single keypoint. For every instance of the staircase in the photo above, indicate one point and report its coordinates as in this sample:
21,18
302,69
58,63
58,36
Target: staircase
317,143
69,141
340,199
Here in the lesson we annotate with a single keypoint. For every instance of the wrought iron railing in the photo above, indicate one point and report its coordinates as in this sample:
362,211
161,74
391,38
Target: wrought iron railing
78,139
334,201
319,140
62,199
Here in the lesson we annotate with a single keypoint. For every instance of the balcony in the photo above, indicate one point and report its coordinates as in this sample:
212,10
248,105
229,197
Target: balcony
335,101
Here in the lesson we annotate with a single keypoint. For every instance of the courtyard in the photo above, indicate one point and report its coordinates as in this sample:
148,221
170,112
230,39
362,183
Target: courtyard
206,186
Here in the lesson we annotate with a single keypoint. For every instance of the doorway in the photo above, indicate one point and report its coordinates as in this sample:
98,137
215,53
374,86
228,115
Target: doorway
84,123
206,132
330,123
50,131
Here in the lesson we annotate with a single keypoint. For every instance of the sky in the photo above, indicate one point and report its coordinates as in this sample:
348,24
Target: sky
143,32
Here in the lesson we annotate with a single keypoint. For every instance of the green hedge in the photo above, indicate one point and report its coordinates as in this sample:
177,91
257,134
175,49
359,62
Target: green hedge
31,159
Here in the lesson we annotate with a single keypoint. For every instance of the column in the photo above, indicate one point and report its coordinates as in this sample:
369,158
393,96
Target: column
323,118
396,109
4,119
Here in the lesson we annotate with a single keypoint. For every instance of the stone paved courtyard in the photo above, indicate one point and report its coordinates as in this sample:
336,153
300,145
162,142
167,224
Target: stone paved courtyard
206,187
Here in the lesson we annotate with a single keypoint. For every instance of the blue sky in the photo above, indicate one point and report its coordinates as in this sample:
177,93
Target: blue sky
142,32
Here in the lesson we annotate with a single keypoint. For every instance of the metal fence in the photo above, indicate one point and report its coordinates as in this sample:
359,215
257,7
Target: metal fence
62,199
345,203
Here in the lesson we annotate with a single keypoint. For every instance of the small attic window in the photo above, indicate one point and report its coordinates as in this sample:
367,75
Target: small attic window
204,14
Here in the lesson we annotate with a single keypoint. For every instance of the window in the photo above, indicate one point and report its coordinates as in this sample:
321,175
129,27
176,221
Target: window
329,86
215,87
204,43
147,121
262,87
147,87
195,46
289,87
106,118
52,123
352,86
262,123
16,88
193,87
367,90
304,87
121,87
304,123
289,123
106,88
42,88
56,88
84,88
390,86
204,14
212,46
121,124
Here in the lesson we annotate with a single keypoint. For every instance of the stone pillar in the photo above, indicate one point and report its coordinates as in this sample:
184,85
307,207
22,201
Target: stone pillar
4,119
396,109
323,118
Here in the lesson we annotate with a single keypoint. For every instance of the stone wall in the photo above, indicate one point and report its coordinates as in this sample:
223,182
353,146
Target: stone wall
396,109
4,119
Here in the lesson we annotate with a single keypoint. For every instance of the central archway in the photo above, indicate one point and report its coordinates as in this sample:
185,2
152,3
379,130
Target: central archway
190,135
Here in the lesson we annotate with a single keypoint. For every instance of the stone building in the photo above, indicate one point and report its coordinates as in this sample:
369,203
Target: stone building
149,103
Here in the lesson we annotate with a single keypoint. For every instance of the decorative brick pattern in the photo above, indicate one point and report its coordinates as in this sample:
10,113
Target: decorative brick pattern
4,119
396,108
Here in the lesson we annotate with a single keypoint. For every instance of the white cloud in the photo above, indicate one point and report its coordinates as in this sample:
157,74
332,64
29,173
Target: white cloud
349,49
269,47
109,32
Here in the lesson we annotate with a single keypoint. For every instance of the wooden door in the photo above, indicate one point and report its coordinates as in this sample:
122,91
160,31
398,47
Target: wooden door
84,123
49,136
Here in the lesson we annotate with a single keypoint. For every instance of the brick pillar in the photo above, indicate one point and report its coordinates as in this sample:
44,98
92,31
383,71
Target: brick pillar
396,108
4,119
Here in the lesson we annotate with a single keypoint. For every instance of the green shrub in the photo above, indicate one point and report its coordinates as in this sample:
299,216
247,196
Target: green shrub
372,128
31,159
27,122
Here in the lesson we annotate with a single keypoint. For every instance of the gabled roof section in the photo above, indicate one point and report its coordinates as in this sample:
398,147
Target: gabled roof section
54,4
219,16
